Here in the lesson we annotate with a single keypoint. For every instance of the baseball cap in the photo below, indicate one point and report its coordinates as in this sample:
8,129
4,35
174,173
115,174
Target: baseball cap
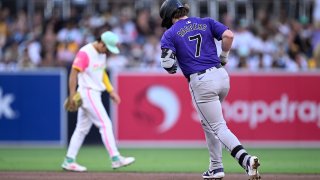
111,40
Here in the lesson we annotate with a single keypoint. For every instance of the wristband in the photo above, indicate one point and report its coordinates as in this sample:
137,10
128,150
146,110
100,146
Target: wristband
224,53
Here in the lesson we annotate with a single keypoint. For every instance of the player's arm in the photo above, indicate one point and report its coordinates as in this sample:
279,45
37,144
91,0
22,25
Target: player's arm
113,95
227,39
70,104
73,81
169,61
106,82
80,63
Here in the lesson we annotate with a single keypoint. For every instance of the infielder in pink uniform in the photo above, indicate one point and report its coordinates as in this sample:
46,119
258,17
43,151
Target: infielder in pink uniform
88,73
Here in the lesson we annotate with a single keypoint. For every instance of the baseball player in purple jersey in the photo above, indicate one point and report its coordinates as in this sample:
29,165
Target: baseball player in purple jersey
88,73
189,43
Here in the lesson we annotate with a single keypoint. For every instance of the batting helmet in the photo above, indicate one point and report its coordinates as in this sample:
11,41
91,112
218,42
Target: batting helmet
167,9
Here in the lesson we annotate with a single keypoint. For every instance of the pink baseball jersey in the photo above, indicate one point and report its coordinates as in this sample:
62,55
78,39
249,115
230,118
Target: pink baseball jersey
91,65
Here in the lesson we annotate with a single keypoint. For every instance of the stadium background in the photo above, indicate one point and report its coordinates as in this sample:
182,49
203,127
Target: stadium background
35,35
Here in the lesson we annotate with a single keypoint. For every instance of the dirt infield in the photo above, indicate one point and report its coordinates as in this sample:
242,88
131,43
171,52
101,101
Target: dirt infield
138,176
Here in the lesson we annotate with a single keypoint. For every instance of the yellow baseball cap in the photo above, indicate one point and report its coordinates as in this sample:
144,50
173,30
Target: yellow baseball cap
111,40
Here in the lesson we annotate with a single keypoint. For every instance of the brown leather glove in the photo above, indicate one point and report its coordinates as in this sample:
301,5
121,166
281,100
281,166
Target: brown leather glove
72,104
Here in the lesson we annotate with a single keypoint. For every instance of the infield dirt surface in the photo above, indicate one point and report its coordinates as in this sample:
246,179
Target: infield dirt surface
138,176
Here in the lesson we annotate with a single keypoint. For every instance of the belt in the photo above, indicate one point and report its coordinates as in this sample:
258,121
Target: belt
204,71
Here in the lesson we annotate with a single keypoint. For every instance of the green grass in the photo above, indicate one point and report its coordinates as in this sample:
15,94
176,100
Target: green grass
159,160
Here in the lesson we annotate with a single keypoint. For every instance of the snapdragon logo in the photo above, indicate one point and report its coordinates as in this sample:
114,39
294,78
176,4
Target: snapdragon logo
157,107
168,102
6,110
278,111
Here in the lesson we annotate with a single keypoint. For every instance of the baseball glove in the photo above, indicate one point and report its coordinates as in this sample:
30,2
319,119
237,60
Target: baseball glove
73,104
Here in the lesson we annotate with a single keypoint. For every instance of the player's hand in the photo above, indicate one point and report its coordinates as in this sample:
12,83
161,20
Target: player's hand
115,97
224,58
169,61
73,102
172,70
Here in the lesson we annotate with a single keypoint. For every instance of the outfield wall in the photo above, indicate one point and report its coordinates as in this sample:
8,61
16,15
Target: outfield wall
262,109
31,107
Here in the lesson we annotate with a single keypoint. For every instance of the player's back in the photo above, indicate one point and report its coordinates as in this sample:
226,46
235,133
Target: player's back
192,39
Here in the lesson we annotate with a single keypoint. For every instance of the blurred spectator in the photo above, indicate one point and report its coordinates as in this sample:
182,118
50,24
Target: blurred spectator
281,58
117,63
242,43
33,48
136,55
265,49
20,29
48,60
297,41
24,61
152,52
297,63
37,24
11,56
66,52
228,20
316,58
267,43
243,62
145,25
316,11
126,28
315,43
70,33
69,40
49,43
4,30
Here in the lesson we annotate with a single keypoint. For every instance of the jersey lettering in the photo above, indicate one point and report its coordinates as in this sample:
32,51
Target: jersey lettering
198,38
195,26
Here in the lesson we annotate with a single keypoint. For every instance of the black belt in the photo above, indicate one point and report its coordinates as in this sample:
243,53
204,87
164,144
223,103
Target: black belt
204,71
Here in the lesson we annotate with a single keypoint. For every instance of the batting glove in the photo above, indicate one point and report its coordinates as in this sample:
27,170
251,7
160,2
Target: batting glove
224,57
173,69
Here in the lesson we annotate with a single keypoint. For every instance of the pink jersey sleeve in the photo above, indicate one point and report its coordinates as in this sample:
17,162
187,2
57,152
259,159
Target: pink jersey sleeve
81,61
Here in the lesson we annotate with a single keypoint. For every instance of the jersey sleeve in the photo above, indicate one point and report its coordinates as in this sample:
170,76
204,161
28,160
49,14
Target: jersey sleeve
167,41
81,61
217,28
106,82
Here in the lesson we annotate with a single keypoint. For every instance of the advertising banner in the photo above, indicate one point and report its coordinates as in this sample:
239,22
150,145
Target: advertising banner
260,108
31,107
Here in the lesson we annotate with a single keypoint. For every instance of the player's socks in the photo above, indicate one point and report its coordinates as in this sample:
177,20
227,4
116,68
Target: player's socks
241,155
115,158
69,160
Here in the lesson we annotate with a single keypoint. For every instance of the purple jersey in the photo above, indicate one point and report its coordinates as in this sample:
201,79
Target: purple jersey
192,40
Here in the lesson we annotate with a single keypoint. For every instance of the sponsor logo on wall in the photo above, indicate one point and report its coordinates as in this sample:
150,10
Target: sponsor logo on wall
6,101
160,108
